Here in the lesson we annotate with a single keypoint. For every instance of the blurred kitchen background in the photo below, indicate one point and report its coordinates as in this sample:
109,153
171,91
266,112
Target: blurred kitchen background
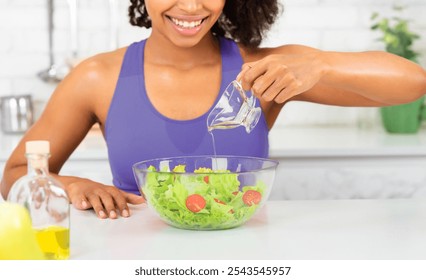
325,152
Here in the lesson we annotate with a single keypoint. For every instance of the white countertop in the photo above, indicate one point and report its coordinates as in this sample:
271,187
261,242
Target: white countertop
296,141
297,230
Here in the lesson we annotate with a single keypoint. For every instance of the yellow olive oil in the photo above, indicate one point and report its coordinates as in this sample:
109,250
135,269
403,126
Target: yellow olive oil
54,241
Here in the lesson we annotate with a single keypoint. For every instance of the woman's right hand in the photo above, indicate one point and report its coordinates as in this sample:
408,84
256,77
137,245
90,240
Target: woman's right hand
105,200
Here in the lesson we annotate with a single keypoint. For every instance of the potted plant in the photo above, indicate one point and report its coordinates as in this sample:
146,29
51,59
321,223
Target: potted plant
398,39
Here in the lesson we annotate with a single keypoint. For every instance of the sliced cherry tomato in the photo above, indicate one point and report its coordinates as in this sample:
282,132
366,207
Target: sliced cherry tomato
219,201
251,197
235,193
206,179
195,203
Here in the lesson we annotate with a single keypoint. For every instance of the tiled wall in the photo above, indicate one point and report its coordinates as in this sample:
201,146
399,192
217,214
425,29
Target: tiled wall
338,25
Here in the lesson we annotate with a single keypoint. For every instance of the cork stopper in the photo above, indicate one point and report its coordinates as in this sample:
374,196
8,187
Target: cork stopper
37,147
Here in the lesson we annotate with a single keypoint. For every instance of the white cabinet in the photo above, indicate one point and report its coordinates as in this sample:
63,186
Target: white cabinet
350,177
346,162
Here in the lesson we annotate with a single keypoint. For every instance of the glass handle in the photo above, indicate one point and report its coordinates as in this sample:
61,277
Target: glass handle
240,89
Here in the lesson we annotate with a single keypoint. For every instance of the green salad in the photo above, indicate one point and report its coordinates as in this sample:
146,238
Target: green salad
210,200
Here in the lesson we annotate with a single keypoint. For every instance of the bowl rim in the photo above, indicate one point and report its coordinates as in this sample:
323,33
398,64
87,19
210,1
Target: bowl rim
274,164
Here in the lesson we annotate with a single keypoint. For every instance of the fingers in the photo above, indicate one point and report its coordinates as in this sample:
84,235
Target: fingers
120,202
276,79
282,89
126,198
250,73
109,202
288,92
106,201
244,69
77,198
133,198
81,202
265,87
97,205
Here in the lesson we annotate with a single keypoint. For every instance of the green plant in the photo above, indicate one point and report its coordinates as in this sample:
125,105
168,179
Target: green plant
397,36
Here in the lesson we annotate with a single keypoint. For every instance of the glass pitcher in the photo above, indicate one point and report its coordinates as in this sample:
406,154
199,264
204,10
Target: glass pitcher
236,107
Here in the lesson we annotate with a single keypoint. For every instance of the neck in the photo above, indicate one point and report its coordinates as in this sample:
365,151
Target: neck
161,51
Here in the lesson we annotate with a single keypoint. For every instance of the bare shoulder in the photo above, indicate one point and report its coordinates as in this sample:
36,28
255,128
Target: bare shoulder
91,84
254,54
97,71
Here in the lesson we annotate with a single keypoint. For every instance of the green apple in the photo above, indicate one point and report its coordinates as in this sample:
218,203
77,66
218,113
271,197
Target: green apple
17,237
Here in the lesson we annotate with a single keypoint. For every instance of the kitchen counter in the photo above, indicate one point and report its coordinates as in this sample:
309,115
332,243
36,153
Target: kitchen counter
298,230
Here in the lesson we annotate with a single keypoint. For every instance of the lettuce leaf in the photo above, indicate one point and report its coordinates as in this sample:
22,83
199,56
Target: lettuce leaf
167,192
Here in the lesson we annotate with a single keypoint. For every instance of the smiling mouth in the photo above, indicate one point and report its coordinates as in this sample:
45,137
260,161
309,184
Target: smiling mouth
185,24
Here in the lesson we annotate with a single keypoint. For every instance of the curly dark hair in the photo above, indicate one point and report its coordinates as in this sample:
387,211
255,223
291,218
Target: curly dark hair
245,21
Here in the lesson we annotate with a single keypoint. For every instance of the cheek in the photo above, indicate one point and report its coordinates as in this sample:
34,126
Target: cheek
156,7
215,8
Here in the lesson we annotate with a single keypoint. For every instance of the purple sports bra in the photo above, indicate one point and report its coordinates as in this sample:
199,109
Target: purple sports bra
136,131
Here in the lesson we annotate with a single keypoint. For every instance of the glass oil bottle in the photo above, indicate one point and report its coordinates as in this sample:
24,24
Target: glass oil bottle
46,200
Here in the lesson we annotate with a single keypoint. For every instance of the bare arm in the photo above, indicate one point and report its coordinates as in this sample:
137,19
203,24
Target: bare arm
64,123
380,77
296,72
70,113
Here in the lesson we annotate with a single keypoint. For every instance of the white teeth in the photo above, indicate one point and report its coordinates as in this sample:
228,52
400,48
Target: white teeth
186,24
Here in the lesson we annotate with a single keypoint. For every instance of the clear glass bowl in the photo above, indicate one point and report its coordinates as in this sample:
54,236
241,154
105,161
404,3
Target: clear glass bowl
205,192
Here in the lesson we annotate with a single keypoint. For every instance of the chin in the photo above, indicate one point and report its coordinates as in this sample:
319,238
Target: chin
189,42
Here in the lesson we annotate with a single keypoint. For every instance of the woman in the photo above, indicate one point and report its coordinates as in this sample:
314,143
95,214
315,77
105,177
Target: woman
152,98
